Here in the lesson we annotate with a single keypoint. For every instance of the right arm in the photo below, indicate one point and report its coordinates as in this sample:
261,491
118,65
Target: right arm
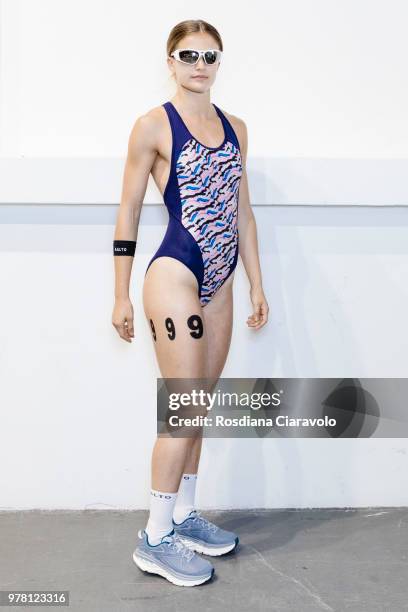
142,151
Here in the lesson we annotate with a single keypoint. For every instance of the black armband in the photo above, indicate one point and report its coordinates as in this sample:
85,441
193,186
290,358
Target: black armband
124,247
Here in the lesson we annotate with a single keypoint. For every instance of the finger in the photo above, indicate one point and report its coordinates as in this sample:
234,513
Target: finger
130,328
266,312
262,317
259,316
252,324
255,315
123,332
120,328
128,334
257,312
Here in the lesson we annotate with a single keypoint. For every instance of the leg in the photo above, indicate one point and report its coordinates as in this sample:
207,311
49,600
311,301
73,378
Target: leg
195,531
218,320
170,299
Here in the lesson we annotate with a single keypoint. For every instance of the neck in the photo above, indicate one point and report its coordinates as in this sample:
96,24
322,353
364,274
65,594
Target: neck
194,104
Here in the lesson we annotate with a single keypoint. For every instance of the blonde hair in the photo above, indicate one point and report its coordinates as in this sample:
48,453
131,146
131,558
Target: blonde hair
190,26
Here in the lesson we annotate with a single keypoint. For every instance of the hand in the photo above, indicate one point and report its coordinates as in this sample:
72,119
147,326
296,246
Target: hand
261,309
122,318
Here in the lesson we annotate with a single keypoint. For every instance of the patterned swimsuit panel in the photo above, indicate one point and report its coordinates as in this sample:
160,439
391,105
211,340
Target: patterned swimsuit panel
201,196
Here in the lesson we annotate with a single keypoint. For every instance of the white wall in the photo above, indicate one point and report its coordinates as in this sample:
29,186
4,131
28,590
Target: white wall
326,116
322,78
78,404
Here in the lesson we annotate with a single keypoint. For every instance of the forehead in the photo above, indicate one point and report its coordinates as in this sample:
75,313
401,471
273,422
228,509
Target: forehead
199,41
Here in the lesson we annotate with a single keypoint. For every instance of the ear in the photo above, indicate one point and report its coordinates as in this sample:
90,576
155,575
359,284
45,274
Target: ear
170,64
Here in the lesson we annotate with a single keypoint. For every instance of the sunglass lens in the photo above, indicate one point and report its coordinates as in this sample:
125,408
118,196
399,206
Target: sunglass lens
188,56
211,57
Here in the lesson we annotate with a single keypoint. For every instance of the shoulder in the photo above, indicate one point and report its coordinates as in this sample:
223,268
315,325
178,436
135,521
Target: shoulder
147,128
239,127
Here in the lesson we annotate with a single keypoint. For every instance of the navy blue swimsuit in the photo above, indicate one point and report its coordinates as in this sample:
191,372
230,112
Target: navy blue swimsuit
201,196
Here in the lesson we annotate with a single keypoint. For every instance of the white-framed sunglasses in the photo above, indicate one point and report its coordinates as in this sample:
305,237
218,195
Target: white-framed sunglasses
192,56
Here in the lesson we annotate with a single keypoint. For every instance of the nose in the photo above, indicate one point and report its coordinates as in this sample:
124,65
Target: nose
201,61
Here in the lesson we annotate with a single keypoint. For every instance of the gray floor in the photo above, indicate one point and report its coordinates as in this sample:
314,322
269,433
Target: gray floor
300,560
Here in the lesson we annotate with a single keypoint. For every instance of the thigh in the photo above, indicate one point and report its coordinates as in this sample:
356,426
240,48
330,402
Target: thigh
218,321
175,317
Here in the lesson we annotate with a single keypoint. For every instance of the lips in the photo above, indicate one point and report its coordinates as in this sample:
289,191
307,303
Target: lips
199,77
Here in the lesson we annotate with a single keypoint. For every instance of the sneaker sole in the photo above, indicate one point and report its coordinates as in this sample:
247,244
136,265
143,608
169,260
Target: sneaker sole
207,550
153,568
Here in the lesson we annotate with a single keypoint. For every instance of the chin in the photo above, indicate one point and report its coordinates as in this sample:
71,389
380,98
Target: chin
200,85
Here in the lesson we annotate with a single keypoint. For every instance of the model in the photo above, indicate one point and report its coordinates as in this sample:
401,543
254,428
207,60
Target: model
196,153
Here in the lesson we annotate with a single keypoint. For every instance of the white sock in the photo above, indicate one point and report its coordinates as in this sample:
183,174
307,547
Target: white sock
161,514
185,497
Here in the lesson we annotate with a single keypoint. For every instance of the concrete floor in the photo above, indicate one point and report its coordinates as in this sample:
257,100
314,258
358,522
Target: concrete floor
298,560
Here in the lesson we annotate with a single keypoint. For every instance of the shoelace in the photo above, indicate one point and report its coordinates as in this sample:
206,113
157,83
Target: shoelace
178,545
204,522
175,542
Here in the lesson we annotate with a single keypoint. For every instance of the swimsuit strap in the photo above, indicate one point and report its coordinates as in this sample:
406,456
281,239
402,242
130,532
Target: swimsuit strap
181,133
178,127
229,130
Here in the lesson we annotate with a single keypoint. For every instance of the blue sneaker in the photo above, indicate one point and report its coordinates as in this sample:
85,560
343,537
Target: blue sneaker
204,537
172,560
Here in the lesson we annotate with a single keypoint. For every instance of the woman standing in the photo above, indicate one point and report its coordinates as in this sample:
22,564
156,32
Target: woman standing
196,154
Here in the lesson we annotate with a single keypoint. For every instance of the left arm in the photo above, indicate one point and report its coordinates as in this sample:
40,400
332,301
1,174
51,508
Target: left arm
248,240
